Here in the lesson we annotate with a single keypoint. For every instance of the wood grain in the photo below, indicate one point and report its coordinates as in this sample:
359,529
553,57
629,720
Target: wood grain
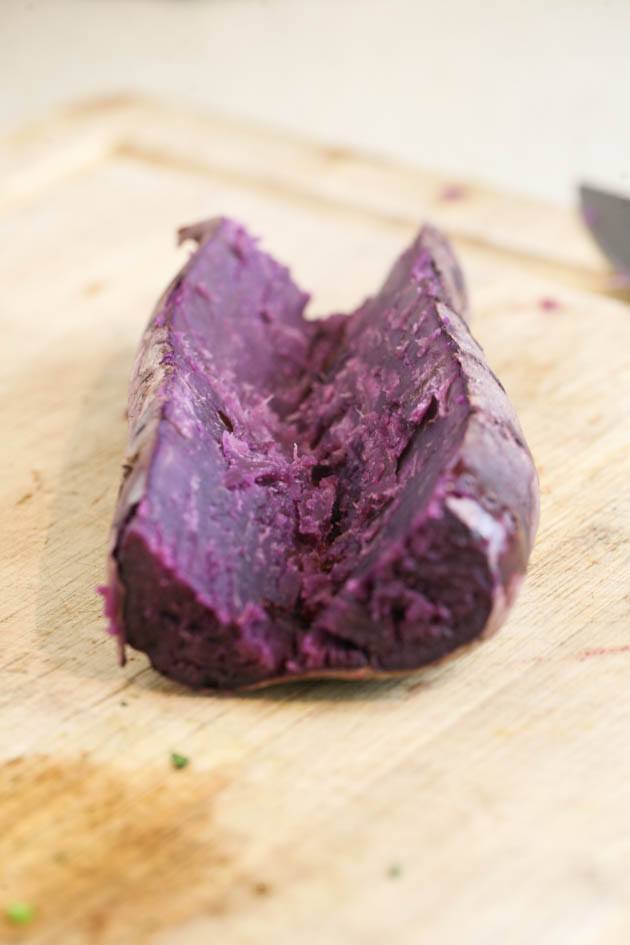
483,801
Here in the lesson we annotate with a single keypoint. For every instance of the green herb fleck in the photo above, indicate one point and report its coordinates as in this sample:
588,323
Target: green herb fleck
394,871
20,913
179,761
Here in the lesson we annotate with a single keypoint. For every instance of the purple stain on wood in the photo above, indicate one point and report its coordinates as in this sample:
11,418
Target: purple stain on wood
604,651
619,280
549,304
453,192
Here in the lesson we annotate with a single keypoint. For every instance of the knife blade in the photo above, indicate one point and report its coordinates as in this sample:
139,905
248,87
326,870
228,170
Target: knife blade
607,216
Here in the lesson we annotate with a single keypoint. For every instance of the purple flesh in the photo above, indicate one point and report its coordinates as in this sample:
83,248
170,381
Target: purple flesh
350,496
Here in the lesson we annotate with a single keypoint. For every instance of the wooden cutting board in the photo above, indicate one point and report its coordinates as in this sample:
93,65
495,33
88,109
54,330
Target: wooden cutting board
483,802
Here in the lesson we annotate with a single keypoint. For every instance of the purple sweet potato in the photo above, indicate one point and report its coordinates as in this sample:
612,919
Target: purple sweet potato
350,496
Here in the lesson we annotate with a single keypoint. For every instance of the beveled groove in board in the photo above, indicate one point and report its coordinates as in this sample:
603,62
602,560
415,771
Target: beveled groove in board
551,238
481,802
567,273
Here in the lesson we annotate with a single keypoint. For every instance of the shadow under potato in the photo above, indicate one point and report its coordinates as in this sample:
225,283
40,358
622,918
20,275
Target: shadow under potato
69,622
298,690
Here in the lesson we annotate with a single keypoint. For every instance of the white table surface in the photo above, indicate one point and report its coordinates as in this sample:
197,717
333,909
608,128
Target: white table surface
530,95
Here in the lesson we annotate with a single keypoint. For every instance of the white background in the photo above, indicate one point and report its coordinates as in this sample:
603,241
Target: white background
529,95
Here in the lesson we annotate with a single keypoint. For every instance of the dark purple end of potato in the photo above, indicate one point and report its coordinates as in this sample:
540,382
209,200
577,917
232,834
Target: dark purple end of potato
350,496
